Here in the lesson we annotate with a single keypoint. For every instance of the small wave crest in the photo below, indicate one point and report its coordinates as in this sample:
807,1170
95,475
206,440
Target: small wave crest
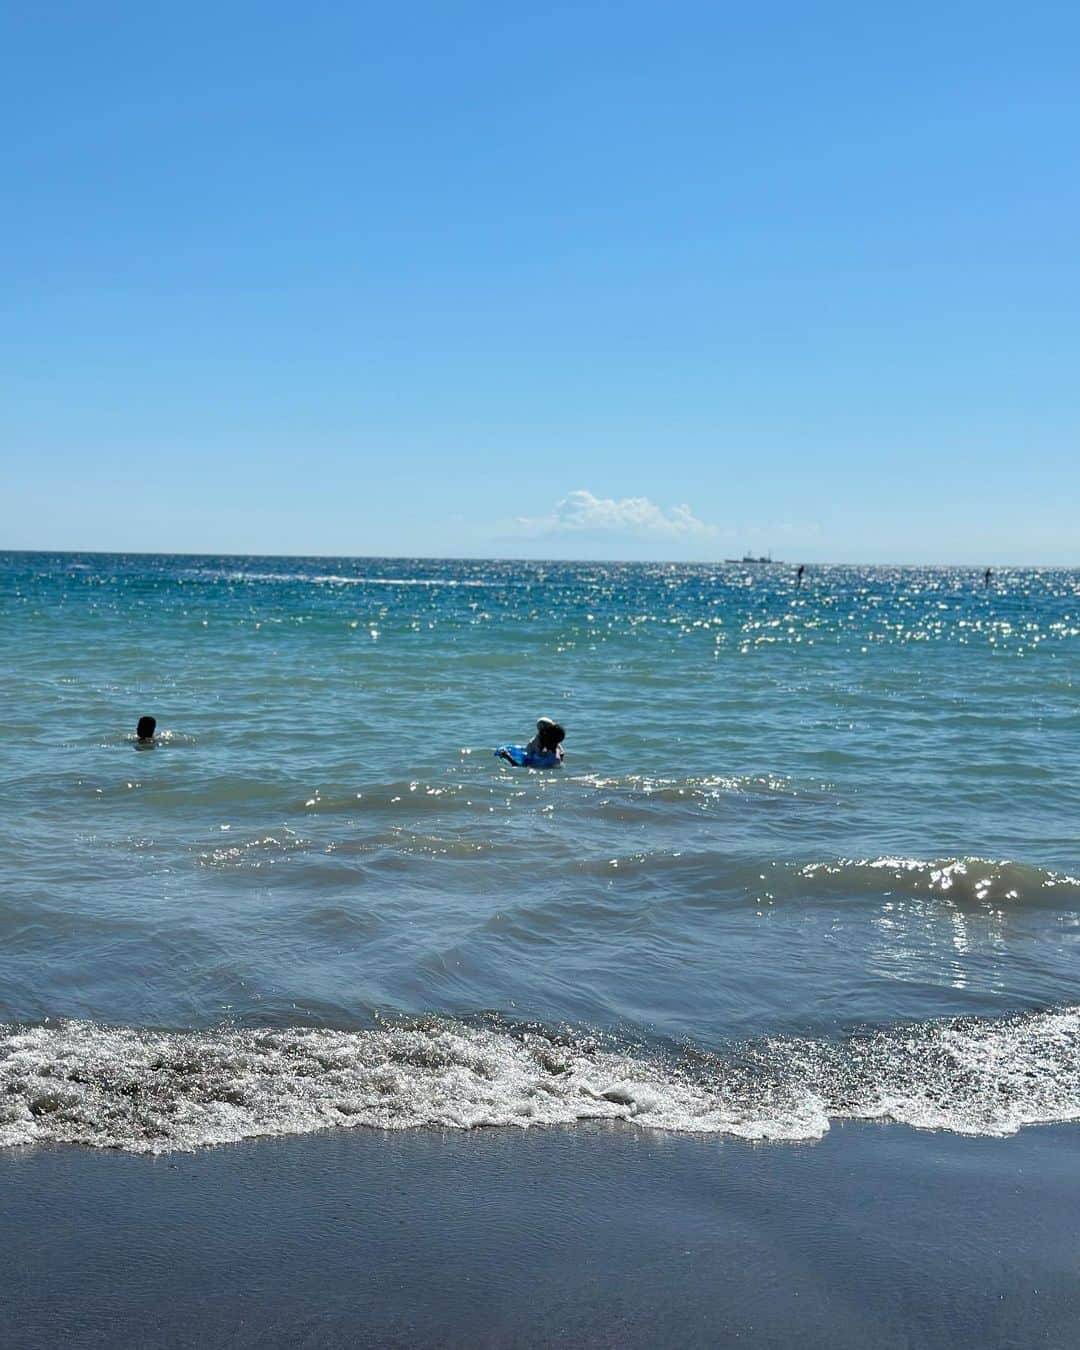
254,854
154,1092
962,881
700,788
339,579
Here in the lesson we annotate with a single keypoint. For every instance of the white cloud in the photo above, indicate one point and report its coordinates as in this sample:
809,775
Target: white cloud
581,512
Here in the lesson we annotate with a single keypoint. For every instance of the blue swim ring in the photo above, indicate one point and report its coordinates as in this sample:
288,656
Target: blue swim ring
524,758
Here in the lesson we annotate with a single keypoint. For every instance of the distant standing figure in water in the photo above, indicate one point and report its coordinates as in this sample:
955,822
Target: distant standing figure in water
986,578
144,732
799,574
544,751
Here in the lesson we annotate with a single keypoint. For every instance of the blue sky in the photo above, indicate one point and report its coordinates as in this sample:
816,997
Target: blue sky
609,280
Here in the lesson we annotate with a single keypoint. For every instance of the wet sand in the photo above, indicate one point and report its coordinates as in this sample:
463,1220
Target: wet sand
876,1236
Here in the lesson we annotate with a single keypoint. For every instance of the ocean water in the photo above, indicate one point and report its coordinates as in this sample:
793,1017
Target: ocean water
814,853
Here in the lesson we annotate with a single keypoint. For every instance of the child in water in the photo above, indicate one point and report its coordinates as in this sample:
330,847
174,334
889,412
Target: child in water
144,732
544,751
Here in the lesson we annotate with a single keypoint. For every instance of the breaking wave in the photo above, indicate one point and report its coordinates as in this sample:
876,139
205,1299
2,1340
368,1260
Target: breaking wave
154,1092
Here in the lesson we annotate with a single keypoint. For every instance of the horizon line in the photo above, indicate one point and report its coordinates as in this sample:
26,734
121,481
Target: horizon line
487,557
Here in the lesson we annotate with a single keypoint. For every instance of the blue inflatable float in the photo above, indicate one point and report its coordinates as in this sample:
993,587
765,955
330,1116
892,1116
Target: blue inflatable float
524,758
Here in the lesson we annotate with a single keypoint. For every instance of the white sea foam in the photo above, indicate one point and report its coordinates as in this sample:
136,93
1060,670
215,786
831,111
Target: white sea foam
149,1091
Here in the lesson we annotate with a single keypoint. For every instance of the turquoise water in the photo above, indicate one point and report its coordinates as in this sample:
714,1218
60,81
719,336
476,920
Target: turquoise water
813,852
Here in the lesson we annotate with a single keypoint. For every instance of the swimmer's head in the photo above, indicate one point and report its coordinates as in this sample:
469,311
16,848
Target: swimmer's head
549,733
145,729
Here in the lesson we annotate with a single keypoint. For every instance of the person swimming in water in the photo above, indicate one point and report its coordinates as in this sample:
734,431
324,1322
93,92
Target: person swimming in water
548,739
544,751
144,732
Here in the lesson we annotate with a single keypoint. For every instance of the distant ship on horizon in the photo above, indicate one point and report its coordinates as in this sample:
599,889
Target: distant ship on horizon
749,558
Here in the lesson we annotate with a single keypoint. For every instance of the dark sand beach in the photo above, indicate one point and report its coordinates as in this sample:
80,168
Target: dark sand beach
591,1236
